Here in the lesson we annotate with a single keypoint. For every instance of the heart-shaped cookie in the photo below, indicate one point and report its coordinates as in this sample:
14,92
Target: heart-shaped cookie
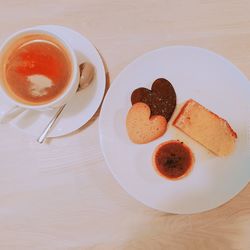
161,98
141,127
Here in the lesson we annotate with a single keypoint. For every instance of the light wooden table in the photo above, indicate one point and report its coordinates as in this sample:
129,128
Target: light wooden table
61,195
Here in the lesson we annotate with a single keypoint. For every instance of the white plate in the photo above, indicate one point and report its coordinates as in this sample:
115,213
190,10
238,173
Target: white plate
195,73
85,103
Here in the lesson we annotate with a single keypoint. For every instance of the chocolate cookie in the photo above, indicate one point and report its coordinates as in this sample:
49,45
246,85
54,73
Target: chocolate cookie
161,98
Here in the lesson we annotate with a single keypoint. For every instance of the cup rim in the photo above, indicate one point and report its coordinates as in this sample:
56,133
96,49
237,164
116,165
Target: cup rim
73,60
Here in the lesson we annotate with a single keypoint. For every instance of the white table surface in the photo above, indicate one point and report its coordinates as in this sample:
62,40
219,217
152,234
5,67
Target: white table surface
61,195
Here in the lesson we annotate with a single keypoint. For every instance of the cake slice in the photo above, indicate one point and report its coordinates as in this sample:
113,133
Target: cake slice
207,128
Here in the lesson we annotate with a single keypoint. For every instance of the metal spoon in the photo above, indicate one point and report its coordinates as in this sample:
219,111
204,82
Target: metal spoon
86,76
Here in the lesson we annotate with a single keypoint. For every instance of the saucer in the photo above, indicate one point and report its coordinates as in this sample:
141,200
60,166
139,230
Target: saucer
82,106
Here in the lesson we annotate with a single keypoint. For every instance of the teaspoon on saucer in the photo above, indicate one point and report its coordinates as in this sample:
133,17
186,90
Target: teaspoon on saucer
86,76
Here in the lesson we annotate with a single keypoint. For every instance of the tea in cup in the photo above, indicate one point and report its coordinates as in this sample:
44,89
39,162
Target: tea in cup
38,70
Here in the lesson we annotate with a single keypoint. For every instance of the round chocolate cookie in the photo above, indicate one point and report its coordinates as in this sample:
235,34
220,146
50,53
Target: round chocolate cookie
161,98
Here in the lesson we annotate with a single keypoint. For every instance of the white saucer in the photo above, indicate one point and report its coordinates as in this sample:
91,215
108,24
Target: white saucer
85,103
212,81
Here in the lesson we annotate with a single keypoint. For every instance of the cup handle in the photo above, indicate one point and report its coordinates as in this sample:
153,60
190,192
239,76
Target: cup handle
8,112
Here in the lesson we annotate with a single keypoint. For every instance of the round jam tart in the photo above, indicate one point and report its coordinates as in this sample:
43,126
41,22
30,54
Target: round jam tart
173,159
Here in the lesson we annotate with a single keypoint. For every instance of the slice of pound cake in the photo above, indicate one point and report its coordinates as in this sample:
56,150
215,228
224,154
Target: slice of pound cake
207,128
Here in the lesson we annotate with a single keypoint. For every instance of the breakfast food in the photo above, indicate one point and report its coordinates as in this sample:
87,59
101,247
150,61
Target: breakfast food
173,159
36,69
161,98
141,127
207,128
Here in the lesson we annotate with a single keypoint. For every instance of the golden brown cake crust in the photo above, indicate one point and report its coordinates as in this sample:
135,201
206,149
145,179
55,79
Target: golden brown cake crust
206,127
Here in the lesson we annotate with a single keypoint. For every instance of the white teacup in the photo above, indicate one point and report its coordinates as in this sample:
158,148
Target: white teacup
10,101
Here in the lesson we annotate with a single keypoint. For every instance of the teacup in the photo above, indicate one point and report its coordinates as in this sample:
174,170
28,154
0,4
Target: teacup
38,70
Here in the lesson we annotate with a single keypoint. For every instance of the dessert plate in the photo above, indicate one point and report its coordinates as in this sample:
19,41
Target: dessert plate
85,103
209,79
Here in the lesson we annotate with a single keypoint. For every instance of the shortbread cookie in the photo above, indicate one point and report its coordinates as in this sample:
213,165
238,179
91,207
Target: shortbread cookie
141,127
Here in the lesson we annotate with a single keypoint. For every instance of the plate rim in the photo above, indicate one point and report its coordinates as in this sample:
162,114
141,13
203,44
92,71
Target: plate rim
116,81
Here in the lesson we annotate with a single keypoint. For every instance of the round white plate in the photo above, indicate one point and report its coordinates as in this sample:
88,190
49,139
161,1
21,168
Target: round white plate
85,103
207,78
